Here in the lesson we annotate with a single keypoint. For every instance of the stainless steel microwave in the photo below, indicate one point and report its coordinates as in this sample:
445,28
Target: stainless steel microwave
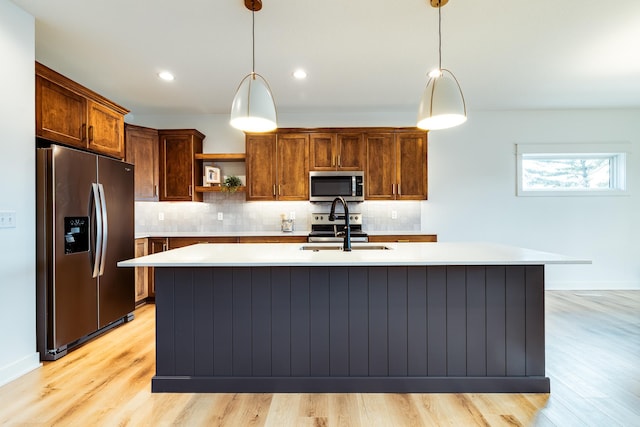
326,186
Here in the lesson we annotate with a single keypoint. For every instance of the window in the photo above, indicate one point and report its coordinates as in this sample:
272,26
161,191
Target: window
571,169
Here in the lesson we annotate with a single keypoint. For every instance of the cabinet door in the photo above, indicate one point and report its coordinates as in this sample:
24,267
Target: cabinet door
155,245
180,242
411,166
380,174
142,150
322,149
350,152
105,134
177,172
142,273
293,167
261,167
61,115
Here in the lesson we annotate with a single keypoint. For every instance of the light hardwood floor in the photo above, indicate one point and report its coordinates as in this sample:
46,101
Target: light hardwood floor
593,360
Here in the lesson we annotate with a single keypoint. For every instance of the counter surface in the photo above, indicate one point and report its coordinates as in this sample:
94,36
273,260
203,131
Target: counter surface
291,254
143,235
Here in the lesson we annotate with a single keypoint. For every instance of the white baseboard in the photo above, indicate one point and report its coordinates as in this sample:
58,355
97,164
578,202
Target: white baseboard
18,368
591,286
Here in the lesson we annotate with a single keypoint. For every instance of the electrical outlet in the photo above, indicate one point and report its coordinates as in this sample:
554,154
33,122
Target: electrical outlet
220,216
161,216
292,215
394,214
8,219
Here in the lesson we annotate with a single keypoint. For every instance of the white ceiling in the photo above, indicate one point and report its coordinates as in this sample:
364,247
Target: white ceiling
361,55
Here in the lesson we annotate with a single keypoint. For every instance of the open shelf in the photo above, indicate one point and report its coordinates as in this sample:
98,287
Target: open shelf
221,157
217,189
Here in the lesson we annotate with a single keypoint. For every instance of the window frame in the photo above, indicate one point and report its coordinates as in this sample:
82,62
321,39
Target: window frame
618,152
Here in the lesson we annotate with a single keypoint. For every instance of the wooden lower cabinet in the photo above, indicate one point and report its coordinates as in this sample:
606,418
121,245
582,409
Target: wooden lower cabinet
156,244
145,281
142,273
402,238
179,242
273,239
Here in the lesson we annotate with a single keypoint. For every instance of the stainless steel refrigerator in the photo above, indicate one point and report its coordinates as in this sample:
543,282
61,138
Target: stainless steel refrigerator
85,225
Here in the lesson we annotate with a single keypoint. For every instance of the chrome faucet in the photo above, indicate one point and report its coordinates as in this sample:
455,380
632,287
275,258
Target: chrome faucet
347,227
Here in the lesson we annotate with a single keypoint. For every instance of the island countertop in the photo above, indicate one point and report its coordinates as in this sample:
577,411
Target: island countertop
291,254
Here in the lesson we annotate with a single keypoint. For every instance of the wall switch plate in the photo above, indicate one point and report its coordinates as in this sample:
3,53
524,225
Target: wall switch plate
220,216
7,219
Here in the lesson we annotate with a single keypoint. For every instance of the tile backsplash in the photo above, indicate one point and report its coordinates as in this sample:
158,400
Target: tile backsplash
240,215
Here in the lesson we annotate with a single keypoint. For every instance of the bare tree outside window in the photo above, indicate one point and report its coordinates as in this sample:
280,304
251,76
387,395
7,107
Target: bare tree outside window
578,173
589,169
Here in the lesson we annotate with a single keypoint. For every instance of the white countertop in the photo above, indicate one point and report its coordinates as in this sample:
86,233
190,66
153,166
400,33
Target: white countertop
219,234
290,254
142,235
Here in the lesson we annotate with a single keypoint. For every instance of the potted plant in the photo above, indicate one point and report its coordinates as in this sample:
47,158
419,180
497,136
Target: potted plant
231,184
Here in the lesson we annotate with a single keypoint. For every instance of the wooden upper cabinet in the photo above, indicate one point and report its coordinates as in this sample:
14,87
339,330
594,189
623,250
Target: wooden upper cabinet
292,166
380,175
178,174
396,166
60,114
105,133
336,151
411,166
261,166
277,166
322,148
394,161
70,114
142,150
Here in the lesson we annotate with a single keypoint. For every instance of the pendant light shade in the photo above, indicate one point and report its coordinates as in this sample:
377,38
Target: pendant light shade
442,105
253,109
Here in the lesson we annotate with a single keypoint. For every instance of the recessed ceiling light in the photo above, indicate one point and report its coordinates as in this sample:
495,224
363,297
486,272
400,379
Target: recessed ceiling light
300,74
165,75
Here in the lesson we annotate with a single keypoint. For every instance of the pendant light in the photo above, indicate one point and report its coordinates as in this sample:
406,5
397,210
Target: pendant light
442,105
253,109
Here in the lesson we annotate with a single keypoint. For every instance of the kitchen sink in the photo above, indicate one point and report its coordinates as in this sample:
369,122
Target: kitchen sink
317,248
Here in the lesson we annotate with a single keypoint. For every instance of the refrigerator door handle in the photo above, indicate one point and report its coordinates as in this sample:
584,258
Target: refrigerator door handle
98,241
105,228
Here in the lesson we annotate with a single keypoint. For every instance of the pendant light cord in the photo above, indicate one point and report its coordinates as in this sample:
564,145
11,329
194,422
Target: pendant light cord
439,37
253,37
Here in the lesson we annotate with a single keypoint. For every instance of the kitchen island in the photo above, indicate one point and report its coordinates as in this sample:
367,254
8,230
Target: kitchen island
409,317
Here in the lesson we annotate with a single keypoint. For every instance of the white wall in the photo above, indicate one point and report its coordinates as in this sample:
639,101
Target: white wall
17,193
472,185
472,191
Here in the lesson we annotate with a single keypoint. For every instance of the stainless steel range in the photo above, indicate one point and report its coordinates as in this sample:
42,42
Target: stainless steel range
323,230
